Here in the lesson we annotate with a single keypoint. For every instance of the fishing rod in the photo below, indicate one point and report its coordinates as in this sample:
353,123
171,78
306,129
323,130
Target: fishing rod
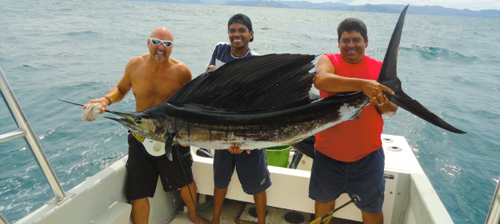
320,220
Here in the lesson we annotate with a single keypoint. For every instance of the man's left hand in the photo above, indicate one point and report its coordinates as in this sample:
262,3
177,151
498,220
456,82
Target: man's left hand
379,100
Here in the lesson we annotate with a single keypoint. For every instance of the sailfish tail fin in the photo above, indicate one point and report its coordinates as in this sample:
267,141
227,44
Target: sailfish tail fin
404,101
388,77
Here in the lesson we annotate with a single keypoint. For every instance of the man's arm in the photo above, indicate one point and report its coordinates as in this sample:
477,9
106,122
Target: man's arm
120,91
186,75
327,80
117,93
211,63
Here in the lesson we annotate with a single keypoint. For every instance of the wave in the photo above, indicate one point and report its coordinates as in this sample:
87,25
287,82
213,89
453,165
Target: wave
437,53
84,33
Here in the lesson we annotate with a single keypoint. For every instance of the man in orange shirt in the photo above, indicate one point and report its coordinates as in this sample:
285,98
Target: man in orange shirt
349,156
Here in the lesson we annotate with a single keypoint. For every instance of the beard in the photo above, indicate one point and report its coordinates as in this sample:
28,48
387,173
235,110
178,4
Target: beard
159,57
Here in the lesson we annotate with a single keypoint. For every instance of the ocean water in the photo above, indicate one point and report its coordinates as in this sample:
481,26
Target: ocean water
77,50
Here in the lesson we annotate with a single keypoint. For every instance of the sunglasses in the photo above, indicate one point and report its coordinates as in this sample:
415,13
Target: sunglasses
166,43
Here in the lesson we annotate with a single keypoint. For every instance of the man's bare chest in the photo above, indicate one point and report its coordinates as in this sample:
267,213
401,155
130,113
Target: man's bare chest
160,86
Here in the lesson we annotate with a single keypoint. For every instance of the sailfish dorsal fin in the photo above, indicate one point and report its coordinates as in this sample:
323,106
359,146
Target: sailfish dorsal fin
263,82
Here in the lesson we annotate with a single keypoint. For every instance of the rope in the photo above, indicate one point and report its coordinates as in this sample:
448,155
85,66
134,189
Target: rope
184,167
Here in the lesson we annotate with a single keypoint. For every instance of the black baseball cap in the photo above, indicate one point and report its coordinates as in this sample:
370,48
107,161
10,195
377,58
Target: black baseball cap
241,19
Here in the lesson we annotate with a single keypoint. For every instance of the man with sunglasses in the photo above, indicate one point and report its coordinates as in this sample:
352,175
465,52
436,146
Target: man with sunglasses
153,78
250,166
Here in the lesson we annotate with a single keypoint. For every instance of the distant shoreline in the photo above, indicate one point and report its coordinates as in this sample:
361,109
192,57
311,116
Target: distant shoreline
382,8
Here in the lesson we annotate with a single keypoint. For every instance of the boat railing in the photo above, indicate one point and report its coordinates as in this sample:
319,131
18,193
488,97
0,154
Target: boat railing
494,214
3,220
32,141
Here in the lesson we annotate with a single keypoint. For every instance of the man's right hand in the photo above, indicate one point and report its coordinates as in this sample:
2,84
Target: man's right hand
210,67
93,108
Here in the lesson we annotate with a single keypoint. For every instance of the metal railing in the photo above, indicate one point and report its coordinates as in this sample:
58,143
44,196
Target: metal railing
3,220
494,214
26,132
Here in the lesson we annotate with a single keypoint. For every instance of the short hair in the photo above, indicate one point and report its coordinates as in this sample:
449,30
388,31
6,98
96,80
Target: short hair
352,24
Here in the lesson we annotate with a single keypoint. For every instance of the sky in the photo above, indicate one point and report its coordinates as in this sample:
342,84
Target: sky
456,4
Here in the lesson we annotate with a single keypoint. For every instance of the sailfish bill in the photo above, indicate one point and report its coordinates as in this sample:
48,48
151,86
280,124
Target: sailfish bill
262,101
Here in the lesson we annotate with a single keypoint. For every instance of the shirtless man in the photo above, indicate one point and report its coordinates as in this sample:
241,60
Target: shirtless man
153,78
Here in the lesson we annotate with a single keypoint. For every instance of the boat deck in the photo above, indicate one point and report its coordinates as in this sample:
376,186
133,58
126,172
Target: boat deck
244,213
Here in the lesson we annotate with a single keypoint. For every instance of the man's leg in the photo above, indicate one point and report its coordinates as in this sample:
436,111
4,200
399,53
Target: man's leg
140,211
372,218
260,206
370,185
219,196
142,176
189,198
321,209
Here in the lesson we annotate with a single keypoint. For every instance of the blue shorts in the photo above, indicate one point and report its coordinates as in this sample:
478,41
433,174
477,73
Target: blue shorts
251,169
365,178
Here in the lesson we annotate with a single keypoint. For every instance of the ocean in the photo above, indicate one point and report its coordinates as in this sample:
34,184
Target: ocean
77,50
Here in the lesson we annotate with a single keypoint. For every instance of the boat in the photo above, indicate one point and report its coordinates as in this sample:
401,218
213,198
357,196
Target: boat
409,195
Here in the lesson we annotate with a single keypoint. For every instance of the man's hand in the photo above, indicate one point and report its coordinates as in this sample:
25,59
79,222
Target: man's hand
91,111
103,101
379,100
93,108
374,90
210,67
235,149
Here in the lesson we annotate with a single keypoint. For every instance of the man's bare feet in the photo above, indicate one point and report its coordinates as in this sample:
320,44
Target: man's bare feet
196,219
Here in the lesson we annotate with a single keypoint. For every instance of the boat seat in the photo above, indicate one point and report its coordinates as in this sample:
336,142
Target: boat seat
116,213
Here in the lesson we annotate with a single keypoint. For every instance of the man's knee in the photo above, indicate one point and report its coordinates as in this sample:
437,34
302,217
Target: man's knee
373,218
139,202
189,187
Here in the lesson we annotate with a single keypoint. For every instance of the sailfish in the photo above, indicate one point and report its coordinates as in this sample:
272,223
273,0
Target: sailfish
263,101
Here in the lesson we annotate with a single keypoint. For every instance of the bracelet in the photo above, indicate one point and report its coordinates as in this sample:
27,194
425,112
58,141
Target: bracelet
110,102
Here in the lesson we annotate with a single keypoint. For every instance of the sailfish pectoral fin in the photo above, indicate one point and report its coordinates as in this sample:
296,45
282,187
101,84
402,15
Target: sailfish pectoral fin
404,101
168,146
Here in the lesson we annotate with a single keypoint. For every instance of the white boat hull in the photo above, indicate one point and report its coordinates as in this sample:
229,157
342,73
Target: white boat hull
409,195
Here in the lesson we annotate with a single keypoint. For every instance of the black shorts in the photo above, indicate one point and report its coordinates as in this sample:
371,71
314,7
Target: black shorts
143,170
